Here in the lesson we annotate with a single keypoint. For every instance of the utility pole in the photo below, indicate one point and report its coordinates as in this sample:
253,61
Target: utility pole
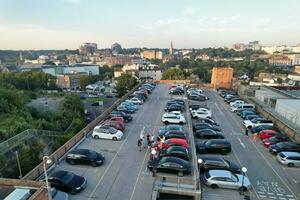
19,166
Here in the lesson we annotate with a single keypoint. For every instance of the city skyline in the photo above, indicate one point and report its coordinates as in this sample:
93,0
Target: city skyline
65,24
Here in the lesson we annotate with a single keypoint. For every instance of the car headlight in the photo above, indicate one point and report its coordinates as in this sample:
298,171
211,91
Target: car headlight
78,188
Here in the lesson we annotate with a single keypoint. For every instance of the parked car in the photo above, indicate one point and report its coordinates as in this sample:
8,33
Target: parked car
242,107
136,101
259,128
173,118
216,162
249,117
196,107
107,132
197,97
175,134
200,114
85,157
257,121
125,116
67,181
176,91
175,151
198,126
125,109
118,119
207,121
177,101
284,146
174,107
265,134
175,142
275,139
236,103
170,164
172,127
291,159
115,124
246,113
226,179
221,146
208,134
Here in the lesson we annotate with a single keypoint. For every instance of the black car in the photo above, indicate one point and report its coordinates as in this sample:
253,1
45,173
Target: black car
172,127
198,126
215,162
125,110
174,107
197,97
85,157
175,151
207,121
178,101
208,134
284,146
170,164
67,181
174,134
176,91
260,128
125,116
221,146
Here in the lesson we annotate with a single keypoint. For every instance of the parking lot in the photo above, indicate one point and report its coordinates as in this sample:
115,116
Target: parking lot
124,174
270,180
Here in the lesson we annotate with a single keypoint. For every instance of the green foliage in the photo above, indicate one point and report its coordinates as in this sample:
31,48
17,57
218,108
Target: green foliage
125,83
11,101
28,80
174,74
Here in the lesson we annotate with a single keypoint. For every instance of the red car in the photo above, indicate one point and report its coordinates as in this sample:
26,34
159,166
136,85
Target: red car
276,139
117,125
118,119
265,134
175,142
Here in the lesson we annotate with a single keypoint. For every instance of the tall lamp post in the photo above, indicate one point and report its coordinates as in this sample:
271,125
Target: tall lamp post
244,170
47,161
19,165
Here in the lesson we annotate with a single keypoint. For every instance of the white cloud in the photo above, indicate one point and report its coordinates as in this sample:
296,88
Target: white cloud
188,11
160,24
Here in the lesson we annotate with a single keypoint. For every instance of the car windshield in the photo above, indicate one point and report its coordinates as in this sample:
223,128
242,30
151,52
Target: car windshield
93,154
273,139
234,178
174,128
113,130
67,178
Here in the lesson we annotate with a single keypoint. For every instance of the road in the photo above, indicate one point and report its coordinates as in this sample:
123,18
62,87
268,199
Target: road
270,180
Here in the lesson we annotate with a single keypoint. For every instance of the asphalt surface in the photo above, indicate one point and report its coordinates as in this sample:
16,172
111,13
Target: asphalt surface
124,174
270,180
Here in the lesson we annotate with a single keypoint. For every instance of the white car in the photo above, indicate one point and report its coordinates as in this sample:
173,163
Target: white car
201,114
236,103
257,122
202,109
107,132
136,101
195,90
173,118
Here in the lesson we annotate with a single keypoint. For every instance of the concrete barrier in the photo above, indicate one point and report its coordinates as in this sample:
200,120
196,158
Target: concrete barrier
60,152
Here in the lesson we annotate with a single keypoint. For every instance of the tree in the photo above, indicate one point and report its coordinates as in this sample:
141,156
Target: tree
174,74
125,83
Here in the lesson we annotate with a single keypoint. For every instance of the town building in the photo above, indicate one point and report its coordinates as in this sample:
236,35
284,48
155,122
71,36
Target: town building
221,77
69,81
297,69
116,48
255,46
117,59
150,71
281,48
71,69
87,48
239,46
280,60
152,54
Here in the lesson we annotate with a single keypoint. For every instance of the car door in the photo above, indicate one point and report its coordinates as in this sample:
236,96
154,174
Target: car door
105,133
232,182
211,148
58,184
221,182
164,167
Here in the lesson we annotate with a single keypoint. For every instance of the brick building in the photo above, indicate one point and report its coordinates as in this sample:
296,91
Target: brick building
221,77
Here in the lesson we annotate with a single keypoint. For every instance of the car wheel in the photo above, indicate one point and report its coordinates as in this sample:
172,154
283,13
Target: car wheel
243,188
180,174
290,165
72,162
214,186
73,192
114,139
166,122
181,123
96,137
94,164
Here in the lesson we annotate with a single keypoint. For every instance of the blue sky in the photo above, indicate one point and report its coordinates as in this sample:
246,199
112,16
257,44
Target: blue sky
60,24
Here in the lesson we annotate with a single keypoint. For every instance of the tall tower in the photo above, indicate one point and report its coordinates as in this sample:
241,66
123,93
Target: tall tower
171,50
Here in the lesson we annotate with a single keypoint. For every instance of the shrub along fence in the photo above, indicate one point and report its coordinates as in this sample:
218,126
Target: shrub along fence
59,153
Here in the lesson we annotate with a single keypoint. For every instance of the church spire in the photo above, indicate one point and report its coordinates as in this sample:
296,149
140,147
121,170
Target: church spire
171,50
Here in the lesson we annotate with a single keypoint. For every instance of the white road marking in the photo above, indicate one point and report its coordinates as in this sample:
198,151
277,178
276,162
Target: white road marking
221,112
242,144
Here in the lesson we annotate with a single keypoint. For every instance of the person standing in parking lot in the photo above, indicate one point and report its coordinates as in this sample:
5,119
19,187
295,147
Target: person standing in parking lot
254,137
140,142
247,131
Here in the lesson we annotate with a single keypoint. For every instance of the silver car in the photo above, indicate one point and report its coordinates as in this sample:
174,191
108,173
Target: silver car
289,158
225,179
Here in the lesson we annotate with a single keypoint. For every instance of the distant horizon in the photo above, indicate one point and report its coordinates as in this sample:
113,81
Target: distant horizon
65,24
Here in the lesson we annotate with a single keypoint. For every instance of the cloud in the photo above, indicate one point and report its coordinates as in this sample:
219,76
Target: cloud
188,11
160,24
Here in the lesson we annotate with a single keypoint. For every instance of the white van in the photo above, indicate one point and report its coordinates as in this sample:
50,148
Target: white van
243,106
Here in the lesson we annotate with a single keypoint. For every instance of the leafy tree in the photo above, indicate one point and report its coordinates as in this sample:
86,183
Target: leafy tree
125,83
174,74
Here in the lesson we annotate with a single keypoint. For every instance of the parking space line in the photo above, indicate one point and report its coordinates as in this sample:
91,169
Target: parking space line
242,144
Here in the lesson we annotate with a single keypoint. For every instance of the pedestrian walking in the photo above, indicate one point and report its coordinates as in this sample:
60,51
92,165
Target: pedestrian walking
247,131
152,138
148,140
254,137
140,143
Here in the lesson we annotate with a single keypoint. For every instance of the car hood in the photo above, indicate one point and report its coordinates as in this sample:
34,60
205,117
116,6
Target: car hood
119,133
77,181
200,145
246,183
235,167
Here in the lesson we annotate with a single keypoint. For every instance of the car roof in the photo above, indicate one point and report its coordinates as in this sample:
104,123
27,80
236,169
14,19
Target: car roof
80,151
176,148
212,158
219,141
174,159
290,153
59,174
219,173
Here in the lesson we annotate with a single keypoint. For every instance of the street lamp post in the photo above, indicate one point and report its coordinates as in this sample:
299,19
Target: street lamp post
47,161
244,170
19,165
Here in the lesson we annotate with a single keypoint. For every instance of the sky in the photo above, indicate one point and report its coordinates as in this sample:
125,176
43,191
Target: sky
65,24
